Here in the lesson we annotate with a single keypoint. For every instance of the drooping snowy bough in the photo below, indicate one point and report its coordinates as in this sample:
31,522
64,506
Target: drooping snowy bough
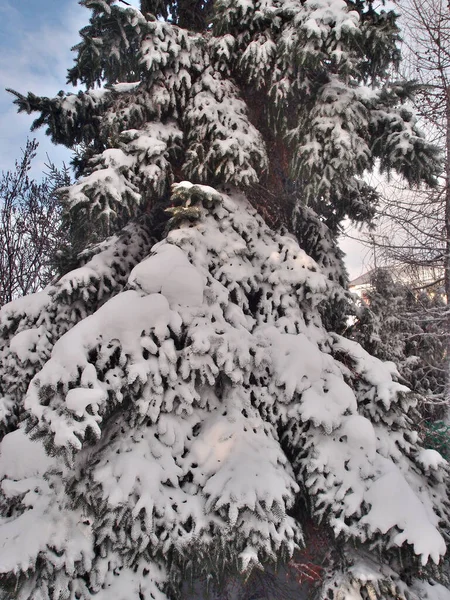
191,426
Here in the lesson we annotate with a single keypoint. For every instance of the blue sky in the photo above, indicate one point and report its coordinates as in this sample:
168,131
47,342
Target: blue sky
35,41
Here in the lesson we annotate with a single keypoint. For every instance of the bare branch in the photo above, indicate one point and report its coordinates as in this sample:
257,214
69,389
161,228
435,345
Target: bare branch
30,226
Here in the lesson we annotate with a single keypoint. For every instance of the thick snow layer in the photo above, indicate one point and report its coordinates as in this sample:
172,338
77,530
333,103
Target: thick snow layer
359,434
230,469
141,581
378,373
358,474
303,369
325,402
431,590
297,361
31,325
198,407
78,399
430,459
170,273
322,15
189,380
125,87
394,504
111,186
124,317
32,305
44,524
25,342
21,457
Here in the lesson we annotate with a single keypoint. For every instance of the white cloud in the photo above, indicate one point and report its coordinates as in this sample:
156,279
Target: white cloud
34,60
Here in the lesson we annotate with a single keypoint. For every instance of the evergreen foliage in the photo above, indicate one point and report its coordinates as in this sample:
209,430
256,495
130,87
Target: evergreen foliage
197,417
438,437
293,95
185,411
406,326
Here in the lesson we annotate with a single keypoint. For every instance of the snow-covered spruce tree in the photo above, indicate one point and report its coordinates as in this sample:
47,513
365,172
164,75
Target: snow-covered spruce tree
196,420
289,97
182,413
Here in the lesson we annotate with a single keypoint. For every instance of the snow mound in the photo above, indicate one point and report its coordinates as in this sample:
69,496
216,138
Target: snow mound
21,457
169,272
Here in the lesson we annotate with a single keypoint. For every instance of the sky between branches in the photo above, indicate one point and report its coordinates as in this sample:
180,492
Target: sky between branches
35,42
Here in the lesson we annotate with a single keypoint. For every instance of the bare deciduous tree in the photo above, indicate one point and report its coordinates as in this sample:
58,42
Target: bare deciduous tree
30,226
412,233
415,224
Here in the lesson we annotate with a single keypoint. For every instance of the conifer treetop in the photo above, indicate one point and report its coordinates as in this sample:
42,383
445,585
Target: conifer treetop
308,79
